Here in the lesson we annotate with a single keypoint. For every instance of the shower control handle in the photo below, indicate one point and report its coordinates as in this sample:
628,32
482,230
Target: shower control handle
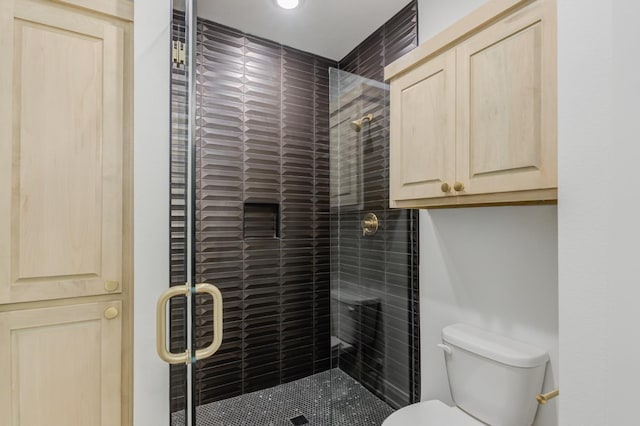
369,224
445,348
445,187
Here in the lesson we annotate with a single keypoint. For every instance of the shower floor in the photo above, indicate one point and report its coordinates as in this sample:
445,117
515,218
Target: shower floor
330,398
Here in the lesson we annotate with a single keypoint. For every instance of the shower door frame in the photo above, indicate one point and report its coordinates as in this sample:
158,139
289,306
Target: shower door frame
189,357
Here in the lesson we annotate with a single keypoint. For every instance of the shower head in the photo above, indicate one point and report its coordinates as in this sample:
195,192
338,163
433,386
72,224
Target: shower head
357,124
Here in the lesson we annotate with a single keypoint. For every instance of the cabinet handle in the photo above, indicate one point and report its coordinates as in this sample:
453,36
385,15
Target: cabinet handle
458,186
111,313
445,187
111,286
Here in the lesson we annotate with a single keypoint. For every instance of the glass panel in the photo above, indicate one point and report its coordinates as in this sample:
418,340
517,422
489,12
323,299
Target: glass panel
373,276
262,225
179,253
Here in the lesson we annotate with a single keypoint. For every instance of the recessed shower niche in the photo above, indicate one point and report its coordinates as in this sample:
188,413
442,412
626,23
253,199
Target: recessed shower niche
261,220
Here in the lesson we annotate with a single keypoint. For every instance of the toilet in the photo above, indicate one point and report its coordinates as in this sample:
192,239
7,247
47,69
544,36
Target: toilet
493,380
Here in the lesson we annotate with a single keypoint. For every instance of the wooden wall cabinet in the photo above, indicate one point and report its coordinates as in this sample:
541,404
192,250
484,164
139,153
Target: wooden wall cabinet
473,111
62,165
61,365
65,212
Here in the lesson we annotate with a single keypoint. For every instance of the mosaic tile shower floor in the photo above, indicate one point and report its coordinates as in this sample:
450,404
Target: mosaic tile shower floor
311,397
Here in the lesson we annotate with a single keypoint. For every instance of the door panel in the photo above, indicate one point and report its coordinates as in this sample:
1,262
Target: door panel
62,365
60,154
506,105
423,130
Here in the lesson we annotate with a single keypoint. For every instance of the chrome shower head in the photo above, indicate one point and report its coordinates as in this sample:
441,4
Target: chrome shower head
357,124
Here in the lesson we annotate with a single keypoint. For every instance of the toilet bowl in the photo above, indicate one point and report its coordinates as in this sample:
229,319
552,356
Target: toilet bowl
434,412
493,381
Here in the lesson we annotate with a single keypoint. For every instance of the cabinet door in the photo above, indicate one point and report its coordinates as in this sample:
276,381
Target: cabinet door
507,104
422,155
61,136
61,366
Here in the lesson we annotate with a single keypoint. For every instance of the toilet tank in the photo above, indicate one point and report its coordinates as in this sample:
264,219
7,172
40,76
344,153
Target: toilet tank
494,378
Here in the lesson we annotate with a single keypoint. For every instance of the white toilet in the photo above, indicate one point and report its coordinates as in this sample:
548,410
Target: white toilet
494,380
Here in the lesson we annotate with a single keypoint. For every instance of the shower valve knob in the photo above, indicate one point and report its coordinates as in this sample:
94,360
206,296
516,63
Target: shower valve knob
445,187
369,224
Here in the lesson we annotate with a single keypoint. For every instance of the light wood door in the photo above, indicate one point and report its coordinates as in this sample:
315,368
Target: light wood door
422,152
61,150
506,104
61,366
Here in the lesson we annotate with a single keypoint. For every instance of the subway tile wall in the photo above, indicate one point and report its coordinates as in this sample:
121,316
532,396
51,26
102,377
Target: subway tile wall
262,146
263,139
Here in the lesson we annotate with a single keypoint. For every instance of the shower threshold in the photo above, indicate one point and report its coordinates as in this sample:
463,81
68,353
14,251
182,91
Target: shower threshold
330,398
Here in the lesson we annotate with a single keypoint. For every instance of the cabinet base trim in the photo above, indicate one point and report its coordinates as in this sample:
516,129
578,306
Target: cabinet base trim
538,196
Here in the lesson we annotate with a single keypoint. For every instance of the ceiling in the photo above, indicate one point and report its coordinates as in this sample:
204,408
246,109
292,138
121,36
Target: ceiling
330,28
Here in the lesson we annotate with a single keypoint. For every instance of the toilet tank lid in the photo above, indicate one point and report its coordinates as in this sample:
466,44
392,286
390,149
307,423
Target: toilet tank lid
494,346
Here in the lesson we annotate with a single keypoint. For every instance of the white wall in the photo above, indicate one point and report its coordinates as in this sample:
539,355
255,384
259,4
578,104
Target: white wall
496,267
493,267
436,15
623,304
151,201
599,229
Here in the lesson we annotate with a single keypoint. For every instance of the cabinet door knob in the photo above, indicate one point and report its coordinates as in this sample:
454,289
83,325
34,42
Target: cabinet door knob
111,285
445,187
111,313
458,186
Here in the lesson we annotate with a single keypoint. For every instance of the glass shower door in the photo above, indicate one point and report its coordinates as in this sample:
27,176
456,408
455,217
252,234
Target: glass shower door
260,219
180,320
288,216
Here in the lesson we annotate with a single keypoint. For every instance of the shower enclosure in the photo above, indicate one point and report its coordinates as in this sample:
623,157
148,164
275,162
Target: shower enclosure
279,199
374,291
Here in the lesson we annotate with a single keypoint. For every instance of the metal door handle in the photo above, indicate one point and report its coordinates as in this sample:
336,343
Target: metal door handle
161,326
217,320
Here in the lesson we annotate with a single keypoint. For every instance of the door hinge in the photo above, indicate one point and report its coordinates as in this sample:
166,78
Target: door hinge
178,54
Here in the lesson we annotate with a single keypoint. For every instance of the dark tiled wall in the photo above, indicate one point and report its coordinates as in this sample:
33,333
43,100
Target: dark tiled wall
263,141
384,266
263,138
392,40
